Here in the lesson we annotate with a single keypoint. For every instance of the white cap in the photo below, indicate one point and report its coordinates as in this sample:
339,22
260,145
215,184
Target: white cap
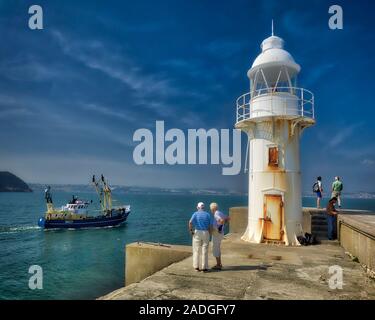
200,205
272,57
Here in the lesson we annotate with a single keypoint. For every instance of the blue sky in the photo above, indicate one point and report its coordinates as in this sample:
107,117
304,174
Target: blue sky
72,94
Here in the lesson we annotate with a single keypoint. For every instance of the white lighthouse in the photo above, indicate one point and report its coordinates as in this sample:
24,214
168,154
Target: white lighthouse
273,114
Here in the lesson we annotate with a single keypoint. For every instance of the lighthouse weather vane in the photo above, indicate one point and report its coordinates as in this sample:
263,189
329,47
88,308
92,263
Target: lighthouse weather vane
274,114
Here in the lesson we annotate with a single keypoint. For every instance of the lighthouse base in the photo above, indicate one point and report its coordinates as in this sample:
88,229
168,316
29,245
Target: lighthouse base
257,231
256,235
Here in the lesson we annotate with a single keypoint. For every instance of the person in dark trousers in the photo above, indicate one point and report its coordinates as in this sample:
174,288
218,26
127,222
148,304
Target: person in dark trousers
332,219
318,189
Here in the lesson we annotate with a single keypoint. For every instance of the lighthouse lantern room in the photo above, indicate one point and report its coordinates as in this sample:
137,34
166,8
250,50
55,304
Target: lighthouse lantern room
273,114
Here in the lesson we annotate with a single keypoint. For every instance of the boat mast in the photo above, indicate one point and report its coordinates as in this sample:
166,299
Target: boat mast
48,197
99,192
107,194
104,193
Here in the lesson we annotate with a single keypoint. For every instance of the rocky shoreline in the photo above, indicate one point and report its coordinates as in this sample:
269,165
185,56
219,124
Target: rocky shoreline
11,183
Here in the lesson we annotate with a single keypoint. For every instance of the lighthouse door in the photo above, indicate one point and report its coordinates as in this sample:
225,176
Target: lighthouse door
272,217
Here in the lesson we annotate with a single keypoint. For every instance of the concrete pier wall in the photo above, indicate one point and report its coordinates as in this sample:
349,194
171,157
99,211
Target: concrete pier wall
357,236
144,259
238,219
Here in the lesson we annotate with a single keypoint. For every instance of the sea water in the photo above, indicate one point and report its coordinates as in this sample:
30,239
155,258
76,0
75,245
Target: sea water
88,263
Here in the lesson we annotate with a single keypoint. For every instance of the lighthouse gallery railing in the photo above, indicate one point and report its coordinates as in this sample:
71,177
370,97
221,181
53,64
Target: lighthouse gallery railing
304,106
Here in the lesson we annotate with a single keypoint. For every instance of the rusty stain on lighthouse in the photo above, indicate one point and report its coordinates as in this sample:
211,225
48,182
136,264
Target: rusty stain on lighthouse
273,114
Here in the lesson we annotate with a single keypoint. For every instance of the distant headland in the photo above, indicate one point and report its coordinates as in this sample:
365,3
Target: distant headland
11,183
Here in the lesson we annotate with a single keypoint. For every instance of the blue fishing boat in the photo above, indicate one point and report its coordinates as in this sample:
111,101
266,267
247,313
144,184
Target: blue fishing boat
75,214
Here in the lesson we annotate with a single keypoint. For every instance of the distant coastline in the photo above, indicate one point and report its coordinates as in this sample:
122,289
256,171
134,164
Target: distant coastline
75,188
87,188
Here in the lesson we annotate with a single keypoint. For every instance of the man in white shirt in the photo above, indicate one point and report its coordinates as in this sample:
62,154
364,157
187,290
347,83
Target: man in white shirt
219,220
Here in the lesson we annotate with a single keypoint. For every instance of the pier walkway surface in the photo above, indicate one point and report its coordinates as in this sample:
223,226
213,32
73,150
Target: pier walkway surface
258,271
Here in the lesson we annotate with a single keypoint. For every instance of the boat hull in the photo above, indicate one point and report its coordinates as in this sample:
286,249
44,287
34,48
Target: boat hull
95,222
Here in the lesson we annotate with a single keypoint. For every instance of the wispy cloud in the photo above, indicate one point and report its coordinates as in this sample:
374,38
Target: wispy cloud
107,111
368,162
148,91
317,73
342,134
299,23
32,68
94,55
52,116
11,113
224,48
11,107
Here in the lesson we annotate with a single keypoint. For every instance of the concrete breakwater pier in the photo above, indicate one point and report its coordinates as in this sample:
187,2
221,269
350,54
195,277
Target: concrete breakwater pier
259,271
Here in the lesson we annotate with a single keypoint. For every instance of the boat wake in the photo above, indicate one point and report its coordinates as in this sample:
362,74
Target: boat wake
29,228
86,228
15,229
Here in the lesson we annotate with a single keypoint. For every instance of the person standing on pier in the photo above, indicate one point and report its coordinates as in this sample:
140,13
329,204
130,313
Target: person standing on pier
200,226
318,189
337,187
332,219
219,220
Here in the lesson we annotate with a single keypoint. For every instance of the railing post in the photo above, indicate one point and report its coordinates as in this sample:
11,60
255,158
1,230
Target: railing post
244,106
237,111
303,103
248,105
313,107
